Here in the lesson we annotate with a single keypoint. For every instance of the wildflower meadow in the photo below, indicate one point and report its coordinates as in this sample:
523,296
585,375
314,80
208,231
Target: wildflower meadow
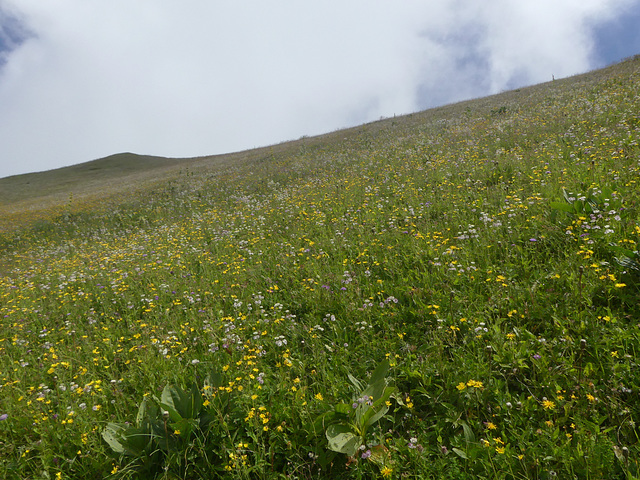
448,294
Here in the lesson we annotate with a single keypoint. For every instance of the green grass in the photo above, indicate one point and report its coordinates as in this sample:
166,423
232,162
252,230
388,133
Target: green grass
485,251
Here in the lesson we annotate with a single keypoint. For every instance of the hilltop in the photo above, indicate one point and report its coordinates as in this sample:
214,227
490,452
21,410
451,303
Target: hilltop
30,197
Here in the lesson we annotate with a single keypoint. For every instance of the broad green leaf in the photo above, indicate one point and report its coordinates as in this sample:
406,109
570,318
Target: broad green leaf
323,419
342,439
195,402
183,427
380,372
343,408
460,453
126,440
206,419
178,399
379,408
213,380
622,251
355,382
137,440
148,411
174,415
468,433
563,207
112,434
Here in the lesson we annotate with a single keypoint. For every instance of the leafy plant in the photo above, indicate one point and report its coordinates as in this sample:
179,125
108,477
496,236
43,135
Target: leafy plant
352,421
161,424
592,201
628,259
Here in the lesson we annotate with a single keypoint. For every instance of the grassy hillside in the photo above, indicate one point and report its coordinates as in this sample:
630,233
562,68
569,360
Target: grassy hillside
449,294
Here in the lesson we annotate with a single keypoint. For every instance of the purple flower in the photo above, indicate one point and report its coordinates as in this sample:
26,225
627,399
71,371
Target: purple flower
537,357
4,416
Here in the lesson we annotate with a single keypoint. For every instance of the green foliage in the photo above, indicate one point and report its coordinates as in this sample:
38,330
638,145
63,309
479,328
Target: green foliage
592,201
349,424
440,241
163,425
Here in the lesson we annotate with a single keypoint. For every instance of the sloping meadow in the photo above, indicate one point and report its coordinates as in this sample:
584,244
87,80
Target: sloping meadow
451,294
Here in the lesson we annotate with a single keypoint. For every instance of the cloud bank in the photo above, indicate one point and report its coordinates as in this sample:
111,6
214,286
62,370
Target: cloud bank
82,80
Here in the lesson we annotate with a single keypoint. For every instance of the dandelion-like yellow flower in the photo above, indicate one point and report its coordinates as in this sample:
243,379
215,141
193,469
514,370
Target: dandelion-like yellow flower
475,384
319,396
548,405
386,471
461,386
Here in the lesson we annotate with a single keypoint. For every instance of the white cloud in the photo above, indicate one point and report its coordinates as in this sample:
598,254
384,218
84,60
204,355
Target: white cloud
200,77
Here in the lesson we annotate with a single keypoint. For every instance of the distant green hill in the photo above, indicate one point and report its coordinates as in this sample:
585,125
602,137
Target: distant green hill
79,177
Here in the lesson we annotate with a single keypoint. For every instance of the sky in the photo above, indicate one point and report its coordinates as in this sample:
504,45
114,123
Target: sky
83,80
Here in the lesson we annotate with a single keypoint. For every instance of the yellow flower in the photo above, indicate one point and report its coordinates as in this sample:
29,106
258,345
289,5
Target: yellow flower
475,384
319,396
500,450
386,471
461,386
548,405
176,432
491,426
